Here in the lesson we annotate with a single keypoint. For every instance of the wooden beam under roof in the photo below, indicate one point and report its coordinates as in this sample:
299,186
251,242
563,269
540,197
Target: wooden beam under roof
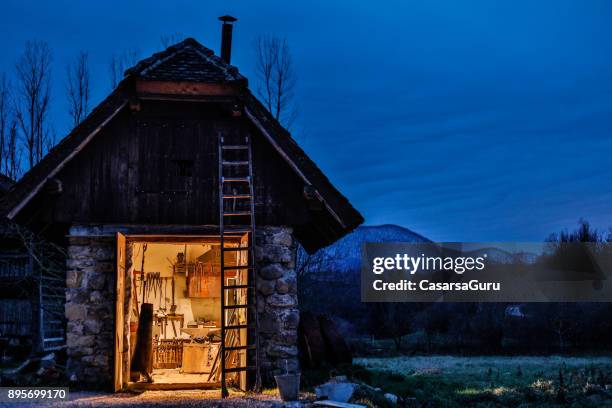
144,87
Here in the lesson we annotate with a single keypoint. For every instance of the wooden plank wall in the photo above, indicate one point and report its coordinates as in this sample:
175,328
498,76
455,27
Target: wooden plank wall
15,317
159,166
15,266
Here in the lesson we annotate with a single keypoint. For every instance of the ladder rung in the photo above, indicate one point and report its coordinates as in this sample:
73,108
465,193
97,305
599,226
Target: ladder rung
247,347
49,278
240,326
235,179
236,306
53,308
228,287
237,369
235,267
233,249
236,230
237,214
235,147
55,348
235,163
53,339
236,196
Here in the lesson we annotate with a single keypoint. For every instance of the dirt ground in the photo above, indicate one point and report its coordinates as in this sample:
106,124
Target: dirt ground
187,398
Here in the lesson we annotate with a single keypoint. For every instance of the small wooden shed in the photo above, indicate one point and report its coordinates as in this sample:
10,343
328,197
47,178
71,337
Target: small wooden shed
179,166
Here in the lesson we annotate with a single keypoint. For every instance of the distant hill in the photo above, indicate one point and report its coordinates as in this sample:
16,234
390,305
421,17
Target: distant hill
504,256
345,254
334,286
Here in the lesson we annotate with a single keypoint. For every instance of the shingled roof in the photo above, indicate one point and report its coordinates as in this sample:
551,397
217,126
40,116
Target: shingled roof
189,61
186,61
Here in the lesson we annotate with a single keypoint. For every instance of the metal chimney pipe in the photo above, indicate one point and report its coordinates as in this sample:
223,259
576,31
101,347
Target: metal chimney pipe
226,37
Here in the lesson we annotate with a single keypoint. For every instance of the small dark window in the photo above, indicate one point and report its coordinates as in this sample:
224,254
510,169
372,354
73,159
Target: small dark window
184,168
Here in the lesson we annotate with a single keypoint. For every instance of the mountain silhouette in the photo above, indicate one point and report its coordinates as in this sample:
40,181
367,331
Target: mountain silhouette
344,256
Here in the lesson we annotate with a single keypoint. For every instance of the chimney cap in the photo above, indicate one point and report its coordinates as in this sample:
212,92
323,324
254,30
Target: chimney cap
227,19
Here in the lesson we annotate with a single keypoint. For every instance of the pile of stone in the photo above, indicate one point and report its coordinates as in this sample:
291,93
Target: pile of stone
340,392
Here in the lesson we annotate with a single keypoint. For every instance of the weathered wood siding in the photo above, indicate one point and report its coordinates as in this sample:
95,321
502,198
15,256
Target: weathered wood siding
159,166
16,317
14,265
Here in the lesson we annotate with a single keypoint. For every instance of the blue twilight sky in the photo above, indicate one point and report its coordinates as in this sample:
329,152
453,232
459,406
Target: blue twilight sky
471,120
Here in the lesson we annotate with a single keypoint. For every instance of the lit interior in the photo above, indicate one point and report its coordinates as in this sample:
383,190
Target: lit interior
183,283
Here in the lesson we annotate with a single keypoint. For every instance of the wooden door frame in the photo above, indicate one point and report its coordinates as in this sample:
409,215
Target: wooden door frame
119,332
121,374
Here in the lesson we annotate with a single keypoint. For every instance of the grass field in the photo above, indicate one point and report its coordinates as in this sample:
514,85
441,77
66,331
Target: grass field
449,381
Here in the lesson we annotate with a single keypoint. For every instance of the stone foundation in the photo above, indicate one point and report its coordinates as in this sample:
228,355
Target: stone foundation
90,306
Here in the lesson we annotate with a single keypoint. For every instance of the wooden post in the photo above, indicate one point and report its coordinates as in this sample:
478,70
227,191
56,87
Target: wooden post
119,312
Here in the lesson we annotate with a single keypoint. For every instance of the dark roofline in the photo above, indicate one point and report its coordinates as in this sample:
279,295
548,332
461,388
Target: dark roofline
335,202
5,183
148,64
35,178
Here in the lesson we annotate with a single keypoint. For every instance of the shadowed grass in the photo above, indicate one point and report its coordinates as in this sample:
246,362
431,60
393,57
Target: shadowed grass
449,381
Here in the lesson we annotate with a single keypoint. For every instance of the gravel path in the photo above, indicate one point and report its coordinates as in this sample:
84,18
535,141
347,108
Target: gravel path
191,398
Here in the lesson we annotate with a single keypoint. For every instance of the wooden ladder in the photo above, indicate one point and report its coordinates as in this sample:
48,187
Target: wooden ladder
235,205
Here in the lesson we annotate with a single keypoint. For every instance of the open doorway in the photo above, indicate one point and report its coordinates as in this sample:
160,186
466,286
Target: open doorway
174,312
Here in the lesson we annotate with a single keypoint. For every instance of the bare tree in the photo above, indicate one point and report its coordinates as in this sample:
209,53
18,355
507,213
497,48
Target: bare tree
12,153
118,63
167,40
77,88
391,320
274,67
115,71
33,97
311,264
4,117
9,157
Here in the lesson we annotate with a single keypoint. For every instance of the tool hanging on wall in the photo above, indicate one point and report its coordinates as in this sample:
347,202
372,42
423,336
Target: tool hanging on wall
164,296
198,284
162,305
153,282
173,305
157,285
134,289
147,286
135,296
148,283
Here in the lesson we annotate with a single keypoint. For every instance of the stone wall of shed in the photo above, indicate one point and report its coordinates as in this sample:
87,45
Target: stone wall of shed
90,310
277,301
90,306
